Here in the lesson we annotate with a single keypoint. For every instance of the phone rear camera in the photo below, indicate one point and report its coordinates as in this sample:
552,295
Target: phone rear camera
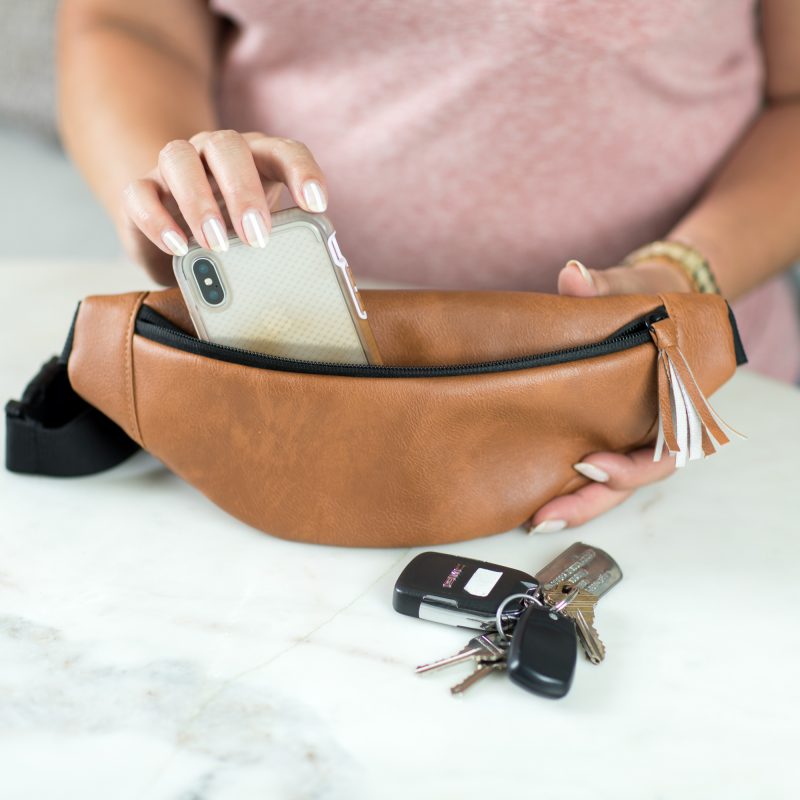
208,281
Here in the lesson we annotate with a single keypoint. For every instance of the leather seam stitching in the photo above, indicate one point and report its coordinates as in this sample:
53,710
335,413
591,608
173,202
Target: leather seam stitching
129,377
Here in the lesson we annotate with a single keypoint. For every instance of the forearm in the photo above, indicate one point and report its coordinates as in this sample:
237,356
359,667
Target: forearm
748,221
125,90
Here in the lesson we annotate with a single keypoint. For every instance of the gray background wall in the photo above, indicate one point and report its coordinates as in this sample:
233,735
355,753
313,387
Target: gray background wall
46,211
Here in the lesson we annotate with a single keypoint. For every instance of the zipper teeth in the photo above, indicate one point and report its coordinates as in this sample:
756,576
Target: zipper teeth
635,333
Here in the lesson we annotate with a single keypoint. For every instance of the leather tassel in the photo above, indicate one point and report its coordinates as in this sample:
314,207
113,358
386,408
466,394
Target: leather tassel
688,427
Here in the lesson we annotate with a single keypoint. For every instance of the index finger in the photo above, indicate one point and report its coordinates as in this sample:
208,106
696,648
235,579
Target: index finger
627,471
292,164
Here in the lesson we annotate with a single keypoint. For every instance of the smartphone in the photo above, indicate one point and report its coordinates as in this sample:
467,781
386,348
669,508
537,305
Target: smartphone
295,298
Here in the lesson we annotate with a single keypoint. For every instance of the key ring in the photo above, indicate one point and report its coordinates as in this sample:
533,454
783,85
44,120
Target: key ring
568,598
499,616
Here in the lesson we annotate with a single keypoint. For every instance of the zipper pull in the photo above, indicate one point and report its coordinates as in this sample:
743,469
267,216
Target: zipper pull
687,424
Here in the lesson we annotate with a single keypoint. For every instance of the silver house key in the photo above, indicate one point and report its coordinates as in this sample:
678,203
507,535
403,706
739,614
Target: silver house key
485,646
483,670
488,651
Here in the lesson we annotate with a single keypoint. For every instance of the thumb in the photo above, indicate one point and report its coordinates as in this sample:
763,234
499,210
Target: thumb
575,280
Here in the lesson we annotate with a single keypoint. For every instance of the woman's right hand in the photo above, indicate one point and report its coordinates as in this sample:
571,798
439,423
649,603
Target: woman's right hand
203,185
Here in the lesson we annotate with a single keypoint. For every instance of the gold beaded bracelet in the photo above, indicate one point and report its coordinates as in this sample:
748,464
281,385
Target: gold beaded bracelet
693,263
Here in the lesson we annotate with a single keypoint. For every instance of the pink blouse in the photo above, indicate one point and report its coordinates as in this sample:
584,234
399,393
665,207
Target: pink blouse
483,144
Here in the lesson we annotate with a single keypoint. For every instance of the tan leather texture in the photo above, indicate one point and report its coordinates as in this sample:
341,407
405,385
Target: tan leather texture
396,461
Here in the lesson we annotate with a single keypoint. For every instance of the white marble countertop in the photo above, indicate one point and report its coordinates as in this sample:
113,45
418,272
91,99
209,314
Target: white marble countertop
152,647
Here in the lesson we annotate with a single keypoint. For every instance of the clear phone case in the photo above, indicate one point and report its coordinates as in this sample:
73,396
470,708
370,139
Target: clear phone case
295,298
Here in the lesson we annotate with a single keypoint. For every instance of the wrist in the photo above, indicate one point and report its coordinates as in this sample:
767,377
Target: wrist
687,263
664,274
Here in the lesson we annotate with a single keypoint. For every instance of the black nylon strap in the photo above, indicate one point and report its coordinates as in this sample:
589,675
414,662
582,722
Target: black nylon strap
53,431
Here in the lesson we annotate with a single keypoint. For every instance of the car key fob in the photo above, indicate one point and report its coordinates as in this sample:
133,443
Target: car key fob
543,652
458,591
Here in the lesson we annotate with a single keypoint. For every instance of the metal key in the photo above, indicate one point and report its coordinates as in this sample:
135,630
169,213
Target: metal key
485,647
579,605
485,667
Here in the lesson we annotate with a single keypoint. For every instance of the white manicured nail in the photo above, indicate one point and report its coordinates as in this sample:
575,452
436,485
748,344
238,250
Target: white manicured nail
215,235
591,472
585,274
255,230
550,526
314,197
175,243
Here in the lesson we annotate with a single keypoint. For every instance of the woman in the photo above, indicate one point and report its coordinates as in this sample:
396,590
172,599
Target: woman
464,145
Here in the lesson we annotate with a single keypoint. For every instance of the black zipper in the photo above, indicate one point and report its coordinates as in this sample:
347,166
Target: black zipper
151,325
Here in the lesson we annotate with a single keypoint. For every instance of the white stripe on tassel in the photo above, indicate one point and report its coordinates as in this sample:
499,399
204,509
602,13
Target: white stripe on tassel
726,429
690,429
687,422
659,449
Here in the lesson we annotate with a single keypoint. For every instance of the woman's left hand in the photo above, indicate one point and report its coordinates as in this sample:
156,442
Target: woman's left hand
613,476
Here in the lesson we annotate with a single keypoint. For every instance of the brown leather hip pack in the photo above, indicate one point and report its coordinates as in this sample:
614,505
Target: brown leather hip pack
488,400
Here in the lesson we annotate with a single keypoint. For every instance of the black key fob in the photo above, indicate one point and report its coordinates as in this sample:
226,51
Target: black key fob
543,652
457,591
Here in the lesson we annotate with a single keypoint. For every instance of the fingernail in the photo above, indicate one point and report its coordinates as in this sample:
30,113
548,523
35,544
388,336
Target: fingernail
175,243
255,230
585,274
215,235
314,197
592,472
550,526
